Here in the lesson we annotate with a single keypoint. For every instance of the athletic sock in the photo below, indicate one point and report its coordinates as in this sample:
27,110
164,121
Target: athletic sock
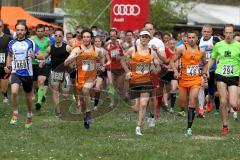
225,126
172,99
151,115
5,94
96,98
15,112
40,94
201,98
29,115
217,103
191,115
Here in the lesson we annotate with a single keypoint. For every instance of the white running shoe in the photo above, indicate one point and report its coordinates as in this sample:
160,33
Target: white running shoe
5,100
235,116
152,122
138,131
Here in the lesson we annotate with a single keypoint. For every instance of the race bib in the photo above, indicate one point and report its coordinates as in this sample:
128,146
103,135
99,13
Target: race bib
88,65
20,64
98,66
228,70
115,53
193,70
142,68
57,76
2,57
208,55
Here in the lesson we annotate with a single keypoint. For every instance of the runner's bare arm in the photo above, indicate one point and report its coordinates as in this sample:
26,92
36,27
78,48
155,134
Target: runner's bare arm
100,54
210,64
74,53
155,65
39,56
204,61
48,52
8,66
161,56
107,57
69,48
9,59
70,43
176,57
125,59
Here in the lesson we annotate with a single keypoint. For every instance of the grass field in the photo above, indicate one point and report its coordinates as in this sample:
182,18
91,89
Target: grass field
112,136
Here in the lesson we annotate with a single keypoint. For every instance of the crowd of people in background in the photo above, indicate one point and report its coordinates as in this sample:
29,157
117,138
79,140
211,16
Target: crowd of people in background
200,68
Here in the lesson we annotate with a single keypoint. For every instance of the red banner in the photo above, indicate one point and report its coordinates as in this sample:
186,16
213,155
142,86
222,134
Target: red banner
129,14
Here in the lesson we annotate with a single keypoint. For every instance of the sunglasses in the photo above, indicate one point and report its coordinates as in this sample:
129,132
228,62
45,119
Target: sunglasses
145,36
56,35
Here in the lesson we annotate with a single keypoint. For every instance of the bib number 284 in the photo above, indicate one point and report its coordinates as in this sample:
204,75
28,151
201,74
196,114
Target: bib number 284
228,70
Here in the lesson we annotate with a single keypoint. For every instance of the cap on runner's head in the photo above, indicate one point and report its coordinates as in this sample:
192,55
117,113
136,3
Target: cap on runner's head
145,33
103,33
95,33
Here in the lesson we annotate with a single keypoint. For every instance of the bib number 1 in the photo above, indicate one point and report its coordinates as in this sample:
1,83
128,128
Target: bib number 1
20,64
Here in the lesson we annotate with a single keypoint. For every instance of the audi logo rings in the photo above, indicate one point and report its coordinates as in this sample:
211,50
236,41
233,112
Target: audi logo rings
126,10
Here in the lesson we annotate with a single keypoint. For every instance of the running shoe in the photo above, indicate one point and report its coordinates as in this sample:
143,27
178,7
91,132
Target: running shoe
216,113
28,123
14,119
152,122
189,132
58,114
201,113
138,131
182,114
170,110
38,106
87,122
235,116
209,107
5,100
224,131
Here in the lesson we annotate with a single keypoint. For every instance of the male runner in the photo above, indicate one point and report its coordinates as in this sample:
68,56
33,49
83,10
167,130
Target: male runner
190,78
227,73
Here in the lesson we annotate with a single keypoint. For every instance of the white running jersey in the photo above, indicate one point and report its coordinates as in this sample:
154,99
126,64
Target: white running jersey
208,46
154,42
22,63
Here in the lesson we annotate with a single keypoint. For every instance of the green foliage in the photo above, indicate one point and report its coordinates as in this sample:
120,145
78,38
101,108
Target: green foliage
163,16
86,12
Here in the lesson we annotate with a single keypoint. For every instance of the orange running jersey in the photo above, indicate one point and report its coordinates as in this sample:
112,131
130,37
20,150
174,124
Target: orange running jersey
190,62
86,67
140,68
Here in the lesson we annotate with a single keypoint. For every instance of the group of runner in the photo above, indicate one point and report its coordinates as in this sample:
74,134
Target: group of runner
145,66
